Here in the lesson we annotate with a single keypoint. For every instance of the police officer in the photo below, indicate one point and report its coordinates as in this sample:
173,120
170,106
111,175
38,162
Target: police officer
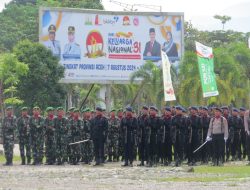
179,124
235,123
142,134
99,129
37,131
24,135
218,133
61,136
72,50
243,133
129,127
195,135
205,120
9,127
52,43
50,141
168,140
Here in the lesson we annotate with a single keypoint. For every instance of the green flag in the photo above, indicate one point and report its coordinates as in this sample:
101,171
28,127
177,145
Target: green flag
206,69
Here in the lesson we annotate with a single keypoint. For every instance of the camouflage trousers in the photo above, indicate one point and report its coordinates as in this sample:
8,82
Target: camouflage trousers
113,149
50,150
37,144
61,150
8,146
25,147
87,152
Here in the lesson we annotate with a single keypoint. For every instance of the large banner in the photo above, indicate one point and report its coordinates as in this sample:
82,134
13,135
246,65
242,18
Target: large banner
206,68
167,81
106,47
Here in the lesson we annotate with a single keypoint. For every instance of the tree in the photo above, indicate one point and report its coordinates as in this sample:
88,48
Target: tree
10,72
223,19
40,86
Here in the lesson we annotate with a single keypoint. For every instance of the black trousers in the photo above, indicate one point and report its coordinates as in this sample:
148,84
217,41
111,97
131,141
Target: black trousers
99,150
236,146
218,147
129,152
167,149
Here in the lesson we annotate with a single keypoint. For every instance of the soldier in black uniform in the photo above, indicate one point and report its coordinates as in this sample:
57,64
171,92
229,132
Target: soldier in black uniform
155,124
195,137
179,124
24,135
129,129
99,129
142,133
235,123
243,133
206,152
9,127
168,140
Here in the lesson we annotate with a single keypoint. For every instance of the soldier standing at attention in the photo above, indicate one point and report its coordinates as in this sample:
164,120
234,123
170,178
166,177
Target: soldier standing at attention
142,130
113,136
87,146
50,141
61,136
129,127
99,129
218,133
9,127
36,124
243,133
24,135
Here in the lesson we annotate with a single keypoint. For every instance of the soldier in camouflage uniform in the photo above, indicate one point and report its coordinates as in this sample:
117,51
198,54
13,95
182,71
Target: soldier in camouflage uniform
121,138
9,127
24,135
113,137
75,126
87,147
36,124
50,141
70,117
61,136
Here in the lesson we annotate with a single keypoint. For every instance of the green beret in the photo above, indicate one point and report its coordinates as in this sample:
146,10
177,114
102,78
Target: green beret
120,110
36,108
86,110
59,108
113,110
76,110
52,28
9,108
24,109
71,109
49,109
92,111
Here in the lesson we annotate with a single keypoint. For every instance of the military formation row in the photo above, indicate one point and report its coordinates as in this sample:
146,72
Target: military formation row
157,139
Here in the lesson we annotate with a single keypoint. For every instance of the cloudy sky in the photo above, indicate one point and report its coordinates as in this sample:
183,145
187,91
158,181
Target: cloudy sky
200,13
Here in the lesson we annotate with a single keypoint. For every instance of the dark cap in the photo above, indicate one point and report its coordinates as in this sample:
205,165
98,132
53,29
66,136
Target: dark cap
242,109
151,30
224,108
145,107
205,108
218,109
36,108
52,28
130,109
193,108
178,108
98,108
168,109
235,110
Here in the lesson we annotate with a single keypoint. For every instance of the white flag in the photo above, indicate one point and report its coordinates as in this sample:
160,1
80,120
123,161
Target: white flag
167,81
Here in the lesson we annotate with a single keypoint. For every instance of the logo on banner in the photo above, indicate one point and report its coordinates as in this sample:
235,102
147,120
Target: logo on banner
88,20
94,44
97,20
126,21
111,21
136,21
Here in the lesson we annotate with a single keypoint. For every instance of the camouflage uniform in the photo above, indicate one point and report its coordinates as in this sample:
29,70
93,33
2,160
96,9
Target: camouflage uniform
9,127
113,138
87,147
61,138
37,138
24,138
50,141
74,136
